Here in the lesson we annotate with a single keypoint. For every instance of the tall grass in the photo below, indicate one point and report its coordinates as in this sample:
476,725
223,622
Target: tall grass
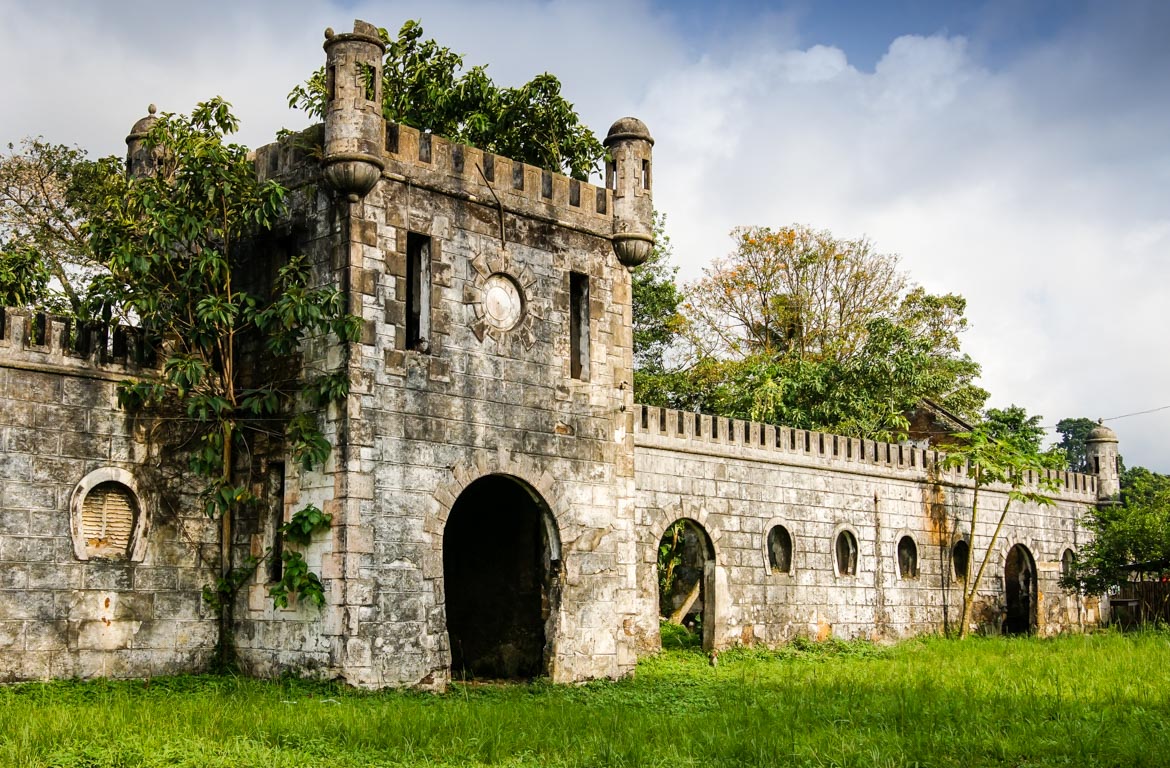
1101,700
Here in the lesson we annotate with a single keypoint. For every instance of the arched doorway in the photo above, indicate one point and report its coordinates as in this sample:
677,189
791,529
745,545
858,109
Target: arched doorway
501,557
686,579
1019,577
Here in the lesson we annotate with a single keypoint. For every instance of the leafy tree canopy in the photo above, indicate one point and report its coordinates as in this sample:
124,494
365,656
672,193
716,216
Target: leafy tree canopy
1074,434
47,192
801,328
426,86
1014,423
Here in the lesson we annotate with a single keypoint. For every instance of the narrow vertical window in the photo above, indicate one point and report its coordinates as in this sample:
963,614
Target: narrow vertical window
418,291
274,489
579,325
646,175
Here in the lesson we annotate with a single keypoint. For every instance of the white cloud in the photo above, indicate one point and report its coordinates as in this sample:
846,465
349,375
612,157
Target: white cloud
1036,187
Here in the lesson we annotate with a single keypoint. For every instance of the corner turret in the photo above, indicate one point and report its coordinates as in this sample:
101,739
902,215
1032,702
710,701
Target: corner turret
141,161
354,128
1101,449
628,172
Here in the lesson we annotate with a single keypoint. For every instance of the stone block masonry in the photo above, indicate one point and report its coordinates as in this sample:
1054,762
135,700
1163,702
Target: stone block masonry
77,600
740,480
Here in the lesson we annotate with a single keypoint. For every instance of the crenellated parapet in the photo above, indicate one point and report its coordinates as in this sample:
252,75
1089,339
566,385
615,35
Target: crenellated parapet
45,342
436,164
716,435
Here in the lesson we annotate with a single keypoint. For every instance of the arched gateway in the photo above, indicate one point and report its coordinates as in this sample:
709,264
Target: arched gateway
1019,576
501,556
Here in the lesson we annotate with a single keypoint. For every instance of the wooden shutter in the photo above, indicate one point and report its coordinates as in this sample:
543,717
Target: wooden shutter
107,520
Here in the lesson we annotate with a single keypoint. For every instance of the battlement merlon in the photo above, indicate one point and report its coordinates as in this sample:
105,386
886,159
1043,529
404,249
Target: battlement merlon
721,436
38,341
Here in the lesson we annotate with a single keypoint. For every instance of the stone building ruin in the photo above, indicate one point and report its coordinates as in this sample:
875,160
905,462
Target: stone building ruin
497,495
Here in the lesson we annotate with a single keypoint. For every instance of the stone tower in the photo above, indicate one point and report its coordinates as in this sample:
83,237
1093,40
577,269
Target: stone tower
141,161
354,128
628,173
1102,455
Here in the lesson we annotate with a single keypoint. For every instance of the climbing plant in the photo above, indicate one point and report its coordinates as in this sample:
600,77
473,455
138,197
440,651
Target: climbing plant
176,244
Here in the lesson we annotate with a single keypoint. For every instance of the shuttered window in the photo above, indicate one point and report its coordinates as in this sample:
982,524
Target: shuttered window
107,520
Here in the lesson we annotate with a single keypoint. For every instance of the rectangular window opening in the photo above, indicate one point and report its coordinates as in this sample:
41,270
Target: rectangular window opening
418,291
392,138
369,81
646,175
275,491
578,325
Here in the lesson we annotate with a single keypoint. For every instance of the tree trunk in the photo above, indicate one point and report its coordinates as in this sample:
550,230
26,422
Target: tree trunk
680,614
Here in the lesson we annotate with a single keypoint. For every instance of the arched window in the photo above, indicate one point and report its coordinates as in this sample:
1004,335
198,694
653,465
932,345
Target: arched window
107,517
1066,562
907,558
780,549
846,554
960,554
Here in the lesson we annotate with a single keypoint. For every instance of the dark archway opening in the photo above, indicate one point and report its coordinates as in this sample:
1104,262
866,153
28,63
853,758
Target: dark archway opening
1019,576
499,567
686,580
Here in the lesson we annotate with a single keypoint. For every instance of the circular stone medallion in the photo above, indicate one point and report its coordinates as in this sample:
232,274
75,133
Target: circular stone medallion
503,304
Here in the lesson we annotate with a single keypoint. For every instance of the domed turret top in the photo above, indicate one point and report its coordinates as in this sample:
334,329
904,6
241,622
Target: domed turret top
1101,434
628,128
143,126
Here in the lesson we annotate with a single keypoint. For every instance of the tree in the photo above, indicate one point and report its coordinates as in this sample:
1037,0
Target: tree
425,86
1014,423
1009,461
800,328
791,290
656,321
176,246
1074,435
46,194
866,394
1135,531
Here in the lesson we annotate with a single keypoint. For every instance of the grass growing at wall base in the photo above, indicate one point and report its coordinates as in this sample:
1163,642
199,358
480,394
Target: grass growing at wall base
1101,700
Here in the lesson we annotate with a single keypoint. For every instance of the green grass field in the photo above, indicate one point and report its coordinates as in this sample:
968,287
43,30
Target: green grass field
1101,700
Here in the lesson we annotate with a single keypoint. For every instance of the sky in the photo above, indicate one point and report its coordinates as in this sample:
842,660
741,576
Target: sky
1017,153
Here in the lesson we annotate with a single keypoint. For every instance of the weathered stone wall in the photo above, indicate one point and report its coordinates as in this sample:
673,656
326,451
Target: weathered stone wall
68,610
422,424
738,479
